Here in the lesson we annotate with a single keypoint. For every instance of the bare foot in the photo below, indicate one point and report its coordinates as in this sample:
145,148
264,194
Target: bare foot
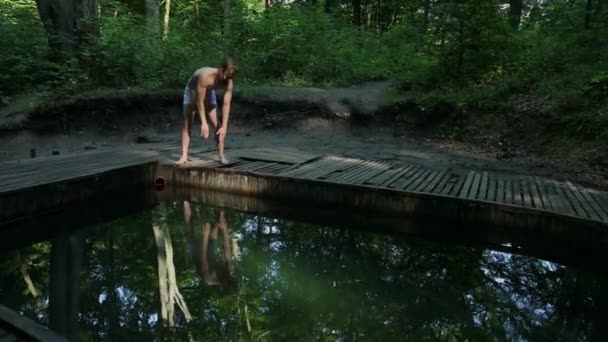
182,161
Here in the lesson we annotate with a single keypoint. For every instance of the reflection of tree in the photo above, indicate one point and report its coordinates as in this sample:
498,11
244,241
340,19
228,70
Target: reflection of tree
167,283
23,268
64,284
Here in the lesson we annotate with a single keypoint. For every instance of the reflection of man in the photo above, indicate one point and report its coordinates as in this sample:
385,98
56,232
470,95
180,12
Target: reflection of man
214,267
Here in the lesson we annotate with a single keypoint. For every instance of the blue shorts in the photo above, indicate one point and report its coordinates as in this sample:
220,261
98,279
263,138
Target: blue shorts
190,98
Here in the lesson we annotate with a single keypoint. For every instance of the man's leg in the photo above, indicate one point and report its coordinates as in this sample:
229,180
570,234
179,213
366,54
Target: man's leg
213,118
188,114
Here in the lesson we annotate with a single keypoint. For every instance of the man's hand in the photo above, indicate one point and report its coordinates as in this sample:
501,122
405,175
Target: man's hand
221,133
204,130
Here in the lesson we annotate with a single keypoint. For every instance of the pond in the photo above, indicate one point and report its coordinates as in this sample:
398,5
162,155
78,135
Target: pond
189,271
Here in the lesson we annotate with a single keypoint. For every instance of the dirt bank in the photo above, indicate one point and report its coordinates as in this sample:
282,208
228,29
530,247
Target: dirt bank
349,121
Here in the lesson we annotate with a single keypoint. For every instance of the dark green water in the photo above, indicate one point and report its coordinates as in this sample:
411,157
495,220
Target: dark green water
278,280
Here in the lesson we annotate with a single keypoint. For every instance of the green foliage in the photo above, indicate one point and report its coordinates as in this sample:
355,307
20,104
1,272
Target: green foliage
22,48
298,46
465,53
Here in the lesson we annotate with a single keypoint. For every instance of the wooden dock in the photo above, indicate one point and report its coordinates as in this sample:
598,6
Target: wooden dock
16,328
34,185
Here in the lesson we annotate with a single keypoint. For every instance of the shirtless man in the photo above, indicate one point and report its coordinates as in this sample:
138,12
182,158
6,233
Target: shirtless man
200,91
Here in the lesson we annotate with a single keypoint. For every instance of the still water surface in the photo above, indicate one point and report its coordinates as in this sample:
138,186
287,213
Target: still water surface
186,271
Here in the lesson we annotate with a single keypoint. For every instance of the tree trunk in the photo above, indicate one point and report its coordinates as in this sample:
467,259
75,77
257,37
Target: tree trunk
459,68
515,9
64,284
427,11
167,281
152,18
227,50
68,24
328,6
166,19
357,12
26,276
85,21
589,9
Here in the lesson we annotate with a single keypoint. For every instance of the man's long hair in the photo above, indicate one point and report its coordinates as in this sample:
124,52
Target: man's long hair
229,69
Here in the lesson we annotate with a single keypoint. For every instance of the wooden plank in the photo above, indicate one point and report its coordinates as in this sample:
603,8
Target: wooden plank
563,202
492,184
526,192
473,192
308,170
551,193
299,169
585,205
483,187
377,169
57,161
338,168
543,188
350,170
69,172
419,180
447,190
277,155
603,215
601,199
442,183
251,165
263,166
508,191
535,193
397,175
517,198
272,168
9,338
276,169
63,177
464,192
68,157
432,185
31,329
400,182
384,176
324,171
256,155
500,191
455,190
303,156
406,182
343,175
19,174
429,179
206,163
579,211
365,170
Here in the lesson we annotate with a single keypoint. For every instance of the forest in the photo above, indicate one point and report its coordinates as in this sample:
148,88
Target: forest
545,57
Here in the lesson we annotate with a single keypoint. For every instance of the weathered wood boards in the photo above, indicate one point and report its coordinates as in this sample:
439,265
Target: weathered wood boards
14,327
291,163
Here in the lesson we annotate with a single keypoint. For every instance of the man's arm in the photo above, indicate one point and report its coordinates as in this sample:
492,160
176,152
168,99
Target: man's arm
201,94
226,105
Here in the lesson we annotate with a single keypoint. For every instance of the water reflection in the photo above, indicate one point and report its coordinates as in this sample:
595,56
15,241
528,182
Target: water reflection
184,271
213,263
